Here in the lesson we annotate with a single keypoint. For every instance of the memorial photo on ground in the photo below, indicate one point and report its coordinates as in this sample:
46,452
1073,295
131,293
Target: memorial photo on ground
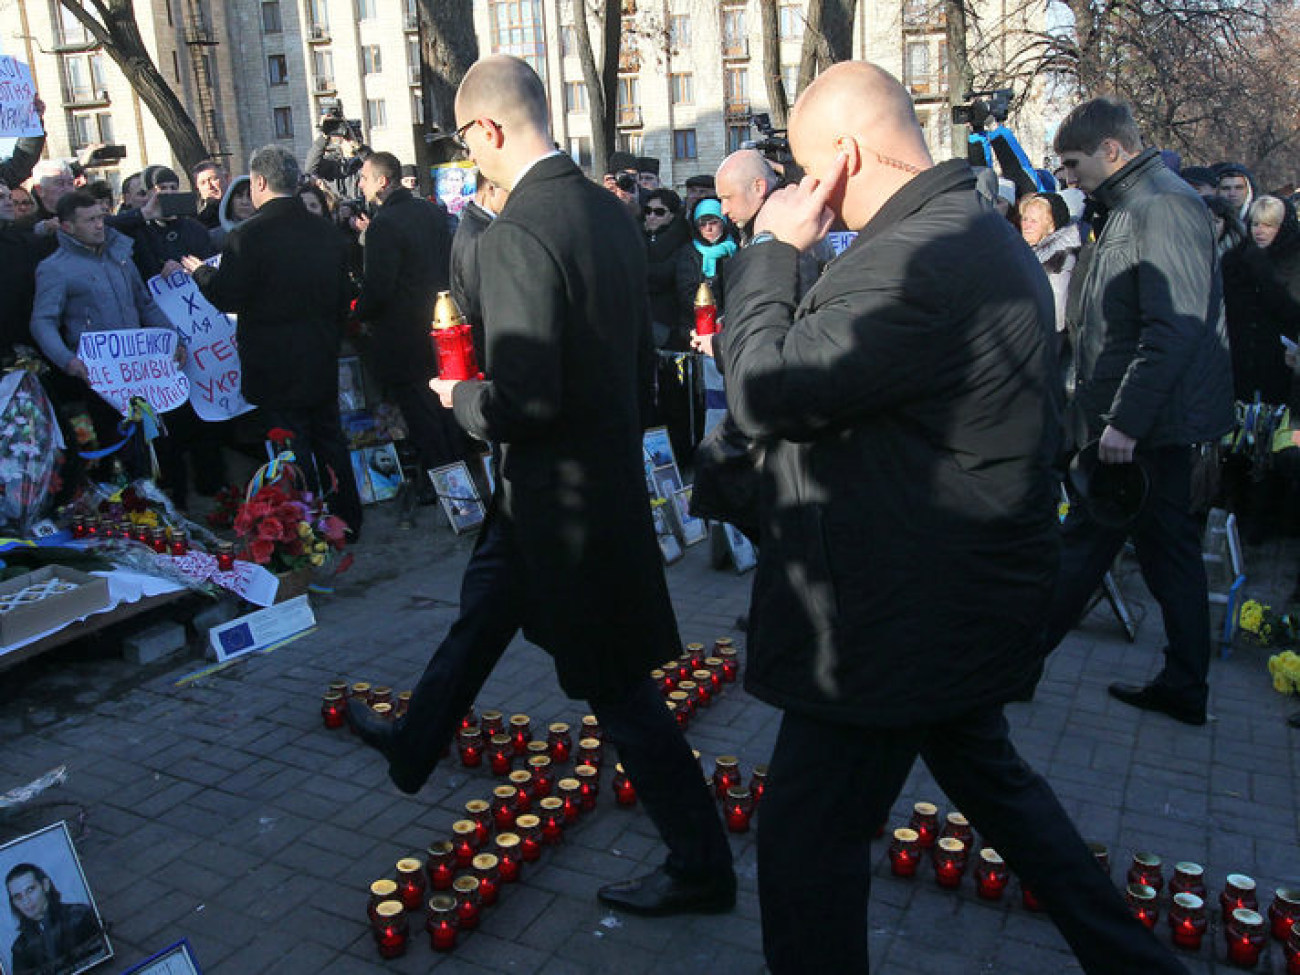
456,492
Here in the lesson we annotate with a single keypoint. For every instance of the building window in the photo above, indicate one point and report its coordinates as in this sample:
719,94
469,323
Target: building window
277,69
372,61
580,150
569,41
283,123
417,106
684,144
681,88
575,97
790,81
735,90
791,21
734,35
629,101
413,60
322,64
271,17
679,32
365,9
70,30
167,5
630,142
176,66
737,135
83,131
916,66
376,113
104,123
518,28
83,78
320,16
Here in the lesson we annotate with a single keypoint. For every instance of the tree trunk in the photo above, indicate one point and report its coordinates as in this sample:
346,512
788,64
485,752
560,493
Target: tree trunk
778,98
448,46
961,77
112,23
602,80
827,39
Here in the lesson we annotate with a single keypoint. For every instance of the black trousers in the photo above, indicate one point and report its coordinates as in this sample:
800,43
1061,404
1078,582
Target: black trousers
1167,539
830,785
432,429
319,444
653,750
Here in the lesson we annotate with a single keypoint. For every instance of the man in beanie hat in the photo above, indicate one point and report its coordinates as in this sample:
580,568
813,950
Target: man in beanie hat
697,188
647,172
411,178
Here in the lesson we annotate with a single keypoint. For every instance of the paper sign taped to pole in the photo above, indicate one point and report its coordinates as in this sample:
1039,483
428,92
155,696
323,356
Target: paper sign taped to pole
17,93
212,360
134,362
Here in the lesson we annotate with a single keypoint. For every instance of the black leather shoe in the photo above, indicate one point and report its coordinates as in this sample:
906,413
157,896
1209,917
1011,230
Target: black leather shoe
1156,697
380,734
660,894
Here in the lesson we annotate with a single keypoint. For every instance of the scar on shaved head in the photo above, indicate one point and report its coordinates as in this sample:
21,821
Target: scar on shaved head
862,99
505,89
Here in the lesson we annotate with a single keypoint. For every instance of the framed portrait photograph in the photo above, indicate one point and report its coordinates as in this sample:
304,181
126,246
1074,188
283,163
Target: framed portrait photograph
669,546
668,481
384,470
361,474
693,528
177,959
454,185
658,448
743,556
52,926
459,499
352,384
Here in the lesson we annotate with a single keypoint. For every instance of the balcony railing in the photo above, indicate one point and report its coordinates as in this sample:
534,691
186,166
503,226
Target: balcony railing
737,108
928,86
735,47
83,96
325,83
318,34
413,74
412,23
629,116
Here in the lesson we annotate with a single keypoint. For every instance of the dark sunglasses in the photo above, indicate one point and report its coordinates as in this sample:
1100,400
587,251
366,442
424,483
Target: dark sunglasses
656,211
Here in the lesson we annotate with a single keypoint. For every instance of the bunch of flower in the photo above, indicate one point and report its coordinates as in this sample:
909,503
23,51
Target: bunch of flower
228,500
130,505
1266,627
1284,668
283,533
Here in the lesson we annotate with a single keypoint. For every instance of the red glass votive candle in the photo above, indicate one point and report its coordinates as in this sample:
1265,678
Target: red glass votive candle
1187,921
703,687
333,711
1291,949
662,681
464,841
1147,869
1247,934
440,864
79,526
225,556
991,875
680,669
949,861
1188,878
339,687
690,689
738,807
158,540
470,720
721,643
390,928
179,544
551,813
1029,899
713,665
671,675
726,774
381,695
491,723
543,776
380,891
1238,892
679,704
624,792
528,828
383,711
730,664
694,654
523,781
590,728
441,922
410,883
758,784
469,742
1284,912
360,690
537,747
569,793
560,742
489,880
590,752
1101,853
588,777
504,809
925,820
108,529
480,811
506,848
958,827
501,754
402,704
521,733
466,892
904,853
1141,899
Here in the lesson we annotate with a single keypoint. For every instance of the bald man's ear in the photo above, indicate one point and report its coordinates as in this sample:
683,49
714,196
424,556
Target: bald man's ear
847,146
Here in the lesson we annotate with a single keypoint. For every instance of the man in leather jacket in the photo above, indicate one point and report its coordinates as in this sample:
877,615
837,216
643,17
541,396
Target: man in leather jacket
1154,377
52,936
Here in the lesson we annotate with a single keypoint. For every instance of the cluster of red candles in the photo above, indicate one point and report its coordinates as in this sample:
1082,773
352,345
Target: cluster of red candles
692,681
1245,929
739,802
162,539
382,700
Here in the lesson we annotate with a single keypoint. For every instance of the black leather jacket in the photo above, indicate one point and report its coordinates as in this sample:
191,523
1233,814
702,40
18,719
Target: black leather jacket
1146,314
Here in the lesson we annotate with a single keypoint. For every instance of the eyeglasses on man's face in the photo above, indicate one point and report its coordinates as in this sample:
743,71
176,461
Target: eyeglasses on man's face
458,138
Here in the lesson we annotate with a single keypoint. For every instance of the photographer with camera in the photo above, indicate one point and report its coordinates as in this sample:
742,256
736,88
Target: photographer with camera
624,182
337,153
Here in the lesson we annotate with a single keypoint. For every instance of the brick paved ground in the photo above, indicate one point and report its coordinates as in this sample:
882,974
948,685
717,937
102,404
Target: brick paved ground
222,811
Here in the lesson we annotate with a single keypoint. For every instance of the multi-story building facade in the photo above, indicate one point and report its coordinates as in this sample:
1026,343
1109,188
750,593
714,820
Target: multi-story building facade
253,72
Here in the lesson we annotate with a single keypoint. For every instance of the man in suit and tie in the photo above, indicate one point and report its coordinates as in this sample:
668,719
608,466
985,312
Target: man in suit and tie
568,553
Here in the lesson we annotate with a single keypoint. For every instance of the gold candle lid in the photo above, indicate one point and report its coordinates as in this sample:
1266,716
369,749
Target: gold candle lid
332,697
361,687
540,761
520,778
550,803
726,761
338,685
1243,915
905,835
1288,895
465,884
692,648
703,295
1240,881
1188,868
439,848
500,738
701,676
590,744
722,641
519,720
589,721
446,314
507,841
409,865
382,690
669,664
442,903
473,731
477,807
950,844
529,821
485,861
538,747
712,662
656,674
1188,902
506,791
926,809
737,792
383,709
383,889
558,728
490,716
671,705
1147,859
991,856
618,767
678,697
727,651
585,771
389,909
1142,892
463,827
567,785
685,687
406,696
760,771
957,819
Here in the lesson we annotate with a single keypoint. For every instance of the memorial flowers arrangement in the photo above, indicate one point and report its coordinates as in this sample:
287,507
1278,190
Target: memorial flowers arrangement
228,501
1266,627
283,533
1284,668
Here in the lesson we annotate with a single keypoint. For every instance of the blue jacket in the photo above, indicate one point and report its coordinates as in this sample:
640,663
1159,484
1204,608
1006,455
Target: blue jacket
80,289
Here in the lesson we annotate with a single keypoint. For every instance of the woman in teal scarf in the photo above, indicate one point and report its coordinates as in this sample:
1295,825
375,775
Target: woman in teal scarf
704,260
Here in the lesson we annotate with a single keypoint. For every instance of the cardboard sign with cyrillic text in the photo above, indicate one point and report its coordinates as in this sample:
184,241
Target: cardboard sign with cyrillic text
134,362
17,93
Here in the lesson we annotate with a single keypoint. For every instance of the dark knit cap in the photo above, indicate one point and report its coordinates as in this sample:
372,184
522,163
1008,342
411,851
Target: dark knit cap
619,161
153,175
699,182
647,164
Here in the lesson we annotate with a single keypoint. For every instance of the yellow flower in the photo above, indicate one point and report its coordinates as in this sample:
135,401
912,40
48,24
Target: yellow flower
304,529
319,547
1252,615
1281,684
318,559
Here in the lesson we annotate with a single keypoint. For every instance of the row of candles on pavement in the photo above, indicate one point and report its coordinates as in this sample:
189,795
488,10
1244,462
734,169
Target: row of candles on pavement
163,539
1245,928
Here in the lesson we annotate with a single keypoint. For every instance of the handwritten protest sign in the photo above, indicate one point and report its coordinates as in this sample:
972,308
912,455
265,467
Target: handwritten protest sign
17,118
212,363
840,240
134,362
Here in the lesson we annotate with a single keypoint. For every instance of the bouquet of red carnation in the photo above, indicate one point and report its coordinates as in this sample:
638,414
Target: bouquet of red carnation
228,499
283,533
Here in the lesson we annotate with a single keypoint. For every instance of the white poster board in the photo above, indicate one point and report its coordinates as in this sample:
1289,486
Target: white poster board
132,362
259,630
17,92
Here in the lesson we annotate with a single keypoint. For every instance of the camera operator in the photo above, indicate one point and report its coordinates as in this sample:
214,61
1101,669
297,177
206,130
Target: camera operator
623,181
337,154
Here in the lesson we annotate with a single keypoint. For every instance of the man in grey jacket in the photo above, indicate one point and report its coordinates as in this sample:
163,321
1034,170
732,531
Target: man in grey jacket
1153,378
